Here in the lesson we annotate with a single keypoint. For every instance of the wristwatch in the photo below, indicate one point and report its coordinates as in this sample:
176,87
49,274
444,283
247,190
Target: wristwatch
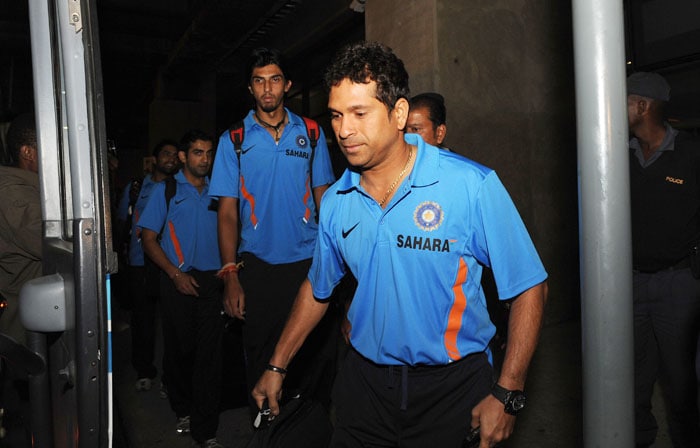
513,400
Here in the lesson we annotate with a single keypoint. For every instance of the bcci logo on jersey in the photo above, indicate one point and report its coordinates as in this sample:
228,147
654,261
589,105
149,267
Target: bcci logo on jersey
302,141
428,216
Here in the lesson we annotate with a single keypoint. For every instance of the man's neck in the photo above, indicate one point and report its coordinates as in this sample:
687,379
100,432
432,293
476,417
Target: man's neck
272,117
650,138
196,181
273,122
381,181
159,176
28,166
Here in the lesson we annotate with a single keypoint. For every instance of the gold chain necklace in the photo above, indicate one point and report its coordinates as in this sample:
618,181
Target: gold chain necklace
398,178
276,128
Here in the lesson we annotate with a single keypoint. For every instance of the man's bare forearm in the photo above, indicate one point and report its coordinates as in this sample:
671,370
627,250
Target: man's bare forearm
524,327
305,314
228,229
156,253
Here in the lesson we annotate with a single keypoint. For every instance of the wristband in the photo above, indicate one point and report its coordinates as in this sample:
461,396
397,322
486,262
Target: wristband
279,370
228,268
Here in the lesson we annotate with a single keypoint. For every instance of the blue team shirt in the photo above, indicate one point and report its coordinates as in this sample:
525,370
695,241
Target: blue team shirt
135,249
274,188
189,236
419,261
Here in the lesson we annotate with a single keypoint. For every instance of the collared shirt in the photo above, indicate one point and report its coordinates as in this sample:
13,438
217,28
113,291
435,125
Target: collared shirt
136,255
278,212
418,262
189,225
665,201
668,144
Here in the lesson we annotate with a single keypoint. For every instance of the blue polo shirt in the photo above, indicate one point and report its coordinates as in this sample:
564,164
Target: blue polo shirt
274,188
135,249
189,226
418,262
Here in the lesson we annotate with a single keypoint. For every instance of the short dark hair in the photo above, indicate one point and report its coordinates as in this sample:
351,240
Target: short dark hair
261,57
192,136
22,132
363,62
162,144
435,103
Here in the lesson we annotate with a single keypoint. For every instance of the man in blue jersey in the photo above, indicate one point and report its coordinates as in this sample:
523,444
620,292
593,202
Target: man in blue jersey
190,292
415,225
272,189
143,277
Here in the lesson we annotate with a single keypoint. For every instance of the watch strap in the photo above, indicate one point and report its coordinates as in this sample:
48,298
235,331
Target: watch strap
500,392
513,400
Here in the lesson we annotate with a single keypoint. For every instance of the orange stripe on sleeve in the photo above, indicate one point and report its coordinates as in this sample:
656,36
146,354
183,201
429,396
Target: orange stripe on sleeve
454,323
249,197
176,244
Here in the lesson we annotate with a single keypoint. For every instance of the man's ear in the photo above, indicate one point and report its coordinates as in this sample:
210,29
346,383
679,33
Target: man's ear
250,89
182,155
643,107
440,133
287,85
400,111
27,152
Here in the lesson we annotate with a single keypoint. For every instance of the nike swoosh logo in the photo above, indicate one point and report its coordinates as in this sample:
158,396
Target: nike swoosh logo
177,202
347,232
144,197
243,151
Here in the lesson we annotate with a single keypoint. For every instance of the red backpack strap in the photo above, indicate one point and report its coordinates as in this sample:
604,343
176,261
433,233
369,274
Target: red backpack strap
312,131
237,132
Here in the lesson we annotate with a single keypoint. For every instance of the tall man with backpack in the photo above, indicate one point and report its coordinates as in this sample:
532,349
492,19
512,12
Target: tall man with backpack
179,235
143,276
269,175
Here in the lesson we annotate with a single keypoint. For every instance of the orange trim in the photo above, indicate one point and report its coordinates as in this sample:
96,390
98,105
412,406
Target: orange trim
307,213
176,244
249,197
454,323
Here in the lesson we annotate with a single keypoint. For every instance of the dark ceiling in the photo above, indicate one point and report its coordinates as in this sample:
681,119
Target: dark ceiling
166,48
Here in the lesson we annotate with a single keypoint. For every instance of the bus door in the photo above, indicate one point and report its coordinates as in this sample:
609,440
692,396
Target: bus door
66,309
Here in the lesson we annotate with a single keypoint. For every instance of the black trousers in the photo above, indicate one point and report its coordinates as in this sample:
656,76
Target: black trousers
395,406
192,331
270,291
143,288
666,321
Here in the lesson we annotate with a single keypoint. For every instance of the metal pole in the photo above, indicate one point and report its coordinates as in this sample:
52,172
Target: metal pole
605,234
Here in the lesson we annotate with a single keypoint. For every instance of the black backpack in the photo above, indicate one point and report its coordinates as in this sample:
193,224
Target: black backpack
302,422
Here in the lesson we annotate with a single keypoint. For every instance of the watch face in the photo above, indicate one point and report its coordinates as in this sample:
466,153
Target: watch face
518,402
515,402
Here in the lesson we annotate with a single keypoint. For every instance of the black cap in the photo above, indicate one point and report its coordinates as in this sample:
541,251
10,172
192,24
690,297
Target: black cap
649,85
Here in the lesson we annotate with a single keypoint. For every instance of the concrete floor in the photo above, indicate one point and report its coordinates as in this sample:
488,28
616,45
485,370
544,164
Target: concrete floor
553,418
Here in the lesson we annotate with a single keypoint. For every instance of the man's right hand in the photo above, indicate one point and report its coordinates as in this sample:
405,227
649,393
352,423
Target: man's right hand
269,387
234,297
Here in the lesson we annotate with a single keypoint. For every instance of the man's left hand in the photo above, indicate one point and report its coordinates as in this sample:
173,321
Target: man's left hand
496,426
